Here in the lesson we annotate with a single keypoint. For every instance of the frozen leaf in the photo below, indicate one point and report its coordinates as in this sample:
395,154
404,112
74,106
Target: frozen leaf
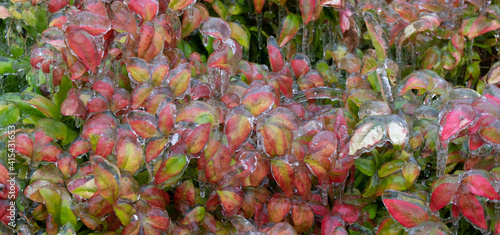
198,138
307,9
288,29
493,76
455,120
330,225
278,207
171,170
476,26
137,69
480,186
471,208
122,19
377,36
144,124
368,134
302,216
240,34
237,128
350,63
129,155
429,21
166,118
258,99
189,25
407,209
93,23
195,215
390,227
282,228
107,178
300,64
147,9
177,5
491,132
283,174
83,46
179,78
275,139
217,28
199,112
155,148
231,199
47,107
390,167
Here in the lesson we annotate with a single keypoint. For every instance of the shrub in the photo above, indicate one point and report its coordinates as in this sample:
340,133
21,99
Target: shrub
150,117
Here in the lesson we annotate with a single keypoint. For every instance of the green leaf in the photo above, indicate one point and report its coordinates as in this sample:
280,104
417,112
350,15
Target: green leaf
9,113
67,215
56,130
52,201
6,65
365,165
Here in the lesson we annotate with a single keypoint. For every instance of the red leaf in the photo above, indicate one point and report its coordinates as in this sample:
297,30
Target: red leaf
407,209
155,148
144,124
258,99
147,9
456,120
275,54
330,225
300,64
307,9
443,191
302,216
189,25
198,138
83,46
348,213
122,19
129,156
55,5
237,129
479,185
472,209
278,207
231,199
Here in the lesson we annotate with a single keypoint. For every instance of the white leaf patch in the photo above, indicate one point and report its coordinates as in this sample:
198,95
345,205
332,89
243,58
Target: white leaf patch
365,137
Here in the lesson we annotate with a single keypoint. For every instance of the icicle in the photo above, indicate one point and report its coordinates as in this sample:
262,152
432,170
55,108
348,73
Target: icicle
259,36
497,45
307,34
441,158
385,86
399,61
190,11
455,225
413,57
470,52
201,183
338,190
324,193
205,40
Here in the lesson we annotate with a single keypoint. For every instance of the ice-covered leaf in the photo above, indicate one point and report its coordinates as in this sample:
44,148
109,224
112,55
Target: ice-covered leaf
455,120
476,26
288,29
302,216
107,177
129,155
84,47
147,9
171,170
189,25
231,199
258,99
407,209
471,208
144,124
377,36
283,174
177,5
